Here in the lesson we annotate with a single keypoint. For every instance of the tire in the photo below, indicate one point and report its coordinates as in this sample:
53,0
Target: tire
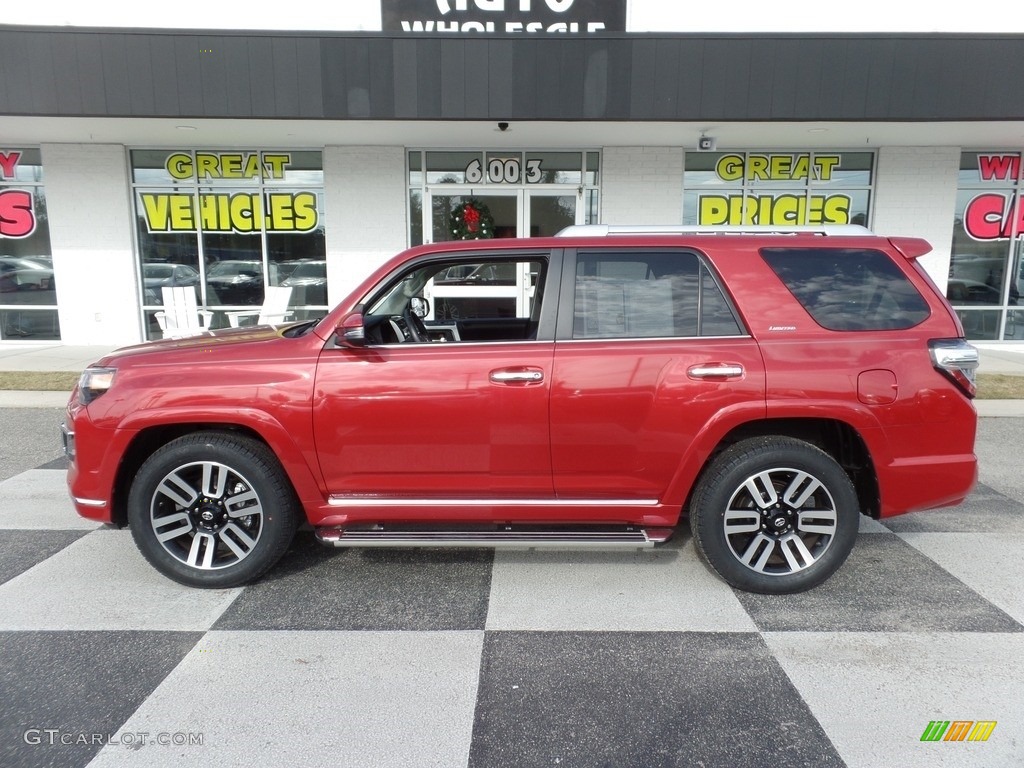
212,510
774,515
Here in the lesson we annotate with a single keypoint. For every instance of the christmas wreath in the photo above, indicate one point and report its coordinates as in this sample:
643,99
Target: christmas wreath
471,220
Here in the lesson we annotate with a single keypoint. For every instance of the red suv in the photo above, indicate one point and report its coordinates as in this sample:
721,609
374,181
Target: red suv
770,387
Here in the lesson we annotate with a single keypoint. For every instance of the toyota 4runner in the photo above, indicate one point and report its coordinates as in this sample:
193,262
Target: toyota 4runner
592,389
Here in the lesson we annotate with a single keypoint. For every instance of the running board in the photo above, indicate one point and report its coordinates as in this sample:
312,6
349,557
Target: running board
510,537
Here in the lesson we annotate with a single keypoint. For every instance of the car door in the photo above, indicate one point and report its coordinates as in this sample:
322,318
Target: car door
649,351
459,420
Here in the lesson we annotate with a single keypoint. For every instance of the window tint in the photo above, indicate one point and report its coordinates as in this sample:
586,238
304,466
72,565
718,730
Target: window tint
848,289
648,295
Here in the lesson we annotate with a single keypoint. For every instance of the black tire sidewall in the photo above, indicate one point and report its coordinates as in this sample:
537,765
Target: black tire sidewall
725,476
253,461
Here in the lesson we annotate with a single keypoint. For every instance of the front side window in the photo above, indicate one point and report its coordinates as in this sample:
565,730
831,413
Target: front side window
849,289
648,295
460,300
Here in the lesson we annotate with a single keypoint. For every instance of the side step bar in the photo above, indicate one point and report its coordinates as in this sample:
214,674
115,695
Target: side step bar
505,537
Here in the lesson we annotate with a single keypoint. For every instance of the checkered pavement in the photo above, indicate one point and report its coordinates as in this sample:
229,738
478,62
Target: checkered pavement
514,658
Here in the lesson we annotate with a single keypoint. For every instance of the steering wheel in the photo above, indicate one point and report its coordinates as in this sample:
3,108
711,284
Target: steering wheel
417,329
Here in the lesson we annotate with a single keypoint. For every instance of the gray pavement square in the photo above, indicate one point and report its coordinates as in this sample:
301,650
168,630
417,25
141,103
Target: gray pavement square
20,550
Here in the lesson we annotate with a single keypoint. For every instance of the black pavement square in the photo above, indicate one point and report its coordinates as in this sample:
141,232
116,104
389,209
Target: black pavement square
63,693
640,700
21,549
315,587
885,586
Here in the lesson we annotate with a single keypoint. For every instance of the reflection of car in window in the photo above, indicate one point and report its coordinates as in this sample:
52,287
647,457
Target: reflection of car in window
235,281
500,273
166,275
308,279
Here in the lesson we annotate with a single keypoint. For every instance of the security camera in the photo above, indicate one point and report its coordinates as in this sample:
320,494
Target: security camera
707,144
502,126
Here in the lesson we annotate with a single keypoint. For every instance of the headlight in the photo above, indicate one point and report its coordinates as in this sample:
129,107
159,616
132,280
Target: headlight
94,382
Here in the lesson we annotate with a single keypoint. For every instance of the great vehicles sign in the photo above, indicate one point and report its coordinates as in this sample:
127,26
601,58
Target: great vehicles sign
506,17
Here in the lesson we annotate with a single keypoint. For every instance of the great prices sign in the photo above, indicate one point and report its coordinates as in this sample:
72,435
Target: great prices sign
996,215
238,212
794,208
17,206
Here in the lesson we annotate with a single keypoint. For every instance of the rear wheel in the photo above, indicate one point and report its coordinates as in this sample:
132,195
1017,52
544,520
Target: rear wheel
774,515
212,509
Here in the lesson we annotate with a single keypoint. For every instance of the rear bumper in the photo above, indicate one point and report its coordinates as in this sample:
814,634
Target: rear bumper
927,482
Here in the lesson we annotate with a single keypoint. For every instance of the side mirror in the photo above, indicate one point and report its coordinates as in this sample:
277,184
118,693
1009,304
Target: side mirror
350,331
419,306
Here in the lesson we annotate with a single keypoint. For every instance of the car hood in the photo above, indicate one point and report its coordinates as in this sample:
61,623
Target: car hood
211,341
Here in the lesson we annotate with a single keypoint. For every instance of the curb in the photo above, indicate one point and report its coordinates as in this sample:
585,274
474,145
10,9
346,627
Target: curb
17,398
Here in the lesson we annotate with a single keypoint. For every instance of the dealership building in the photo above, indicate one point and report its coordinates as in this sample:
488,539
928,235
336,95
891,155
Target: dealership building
133,159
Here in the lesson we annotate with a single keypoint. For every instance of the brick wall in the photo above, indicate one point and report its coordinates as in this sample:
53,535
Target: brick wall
915,195
89,213
642,185
365,212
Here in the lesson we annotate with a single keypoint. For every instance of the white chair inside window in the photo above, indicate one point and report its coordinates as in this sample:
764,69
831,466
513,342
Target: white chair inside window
180,316
274,309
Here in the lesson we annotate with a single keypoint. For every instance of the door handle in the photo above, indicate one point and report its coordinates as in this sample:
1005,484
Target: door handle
715,371
517,376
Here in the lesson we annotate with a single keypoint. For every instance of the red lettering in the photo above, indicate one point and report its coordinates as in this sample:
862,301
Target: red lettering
991,217
17,218
8,162
999,167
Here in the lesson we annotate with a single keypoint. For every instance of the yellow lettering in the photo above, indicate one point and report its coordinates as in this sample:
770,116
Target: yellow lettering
757,168
730,167
837,209
305,211
179,166
155,207
781,165
823,166
182,213
714,210
231,167
207,166
245,212
276,164
800,167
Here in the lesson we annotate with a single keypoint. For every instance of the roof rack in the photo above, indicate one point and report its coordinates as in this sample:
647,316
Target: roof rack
604,230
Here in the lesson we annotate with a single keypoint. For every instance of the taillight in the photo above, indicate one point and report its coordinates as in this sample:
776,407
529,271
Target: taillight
956,360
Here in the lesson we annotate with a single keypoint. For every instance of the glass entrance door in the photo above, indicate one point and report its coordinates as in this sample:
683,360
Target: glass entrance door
500,212
549,212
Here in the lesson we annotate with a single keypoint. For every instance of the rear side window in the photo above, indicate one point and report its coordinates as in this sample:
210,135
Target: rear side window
648,295
849,289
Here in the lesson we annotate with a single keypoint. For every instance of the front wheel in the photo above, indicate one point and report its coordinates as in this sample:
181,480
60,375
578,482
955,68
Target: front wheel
212,510
774,515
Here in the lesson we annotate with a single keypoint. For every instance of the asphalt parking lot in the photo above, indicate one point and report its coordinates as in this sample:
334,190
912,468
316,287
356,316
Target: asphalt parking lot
477,658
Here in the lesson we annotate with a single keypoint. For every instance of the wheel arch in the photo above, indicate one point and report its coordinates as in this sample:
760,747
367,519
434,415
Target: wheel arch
151,438
838,439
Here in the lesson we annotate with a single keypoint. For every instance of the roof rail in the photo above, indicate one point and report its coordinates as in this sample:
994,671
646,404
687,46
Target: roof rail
604,230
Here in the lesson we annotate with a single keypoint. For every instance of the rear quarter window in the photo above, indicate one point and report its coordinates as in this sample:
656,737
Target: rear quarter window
849,289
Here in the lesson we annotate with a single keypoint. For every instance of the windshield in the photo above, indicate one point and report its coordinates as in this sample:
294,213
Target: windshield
232,268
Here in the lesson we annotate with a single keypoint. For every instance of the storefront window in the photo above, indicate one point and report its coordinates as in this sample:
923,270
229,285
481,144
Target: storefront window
229,224
985,279
28,293
777,188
